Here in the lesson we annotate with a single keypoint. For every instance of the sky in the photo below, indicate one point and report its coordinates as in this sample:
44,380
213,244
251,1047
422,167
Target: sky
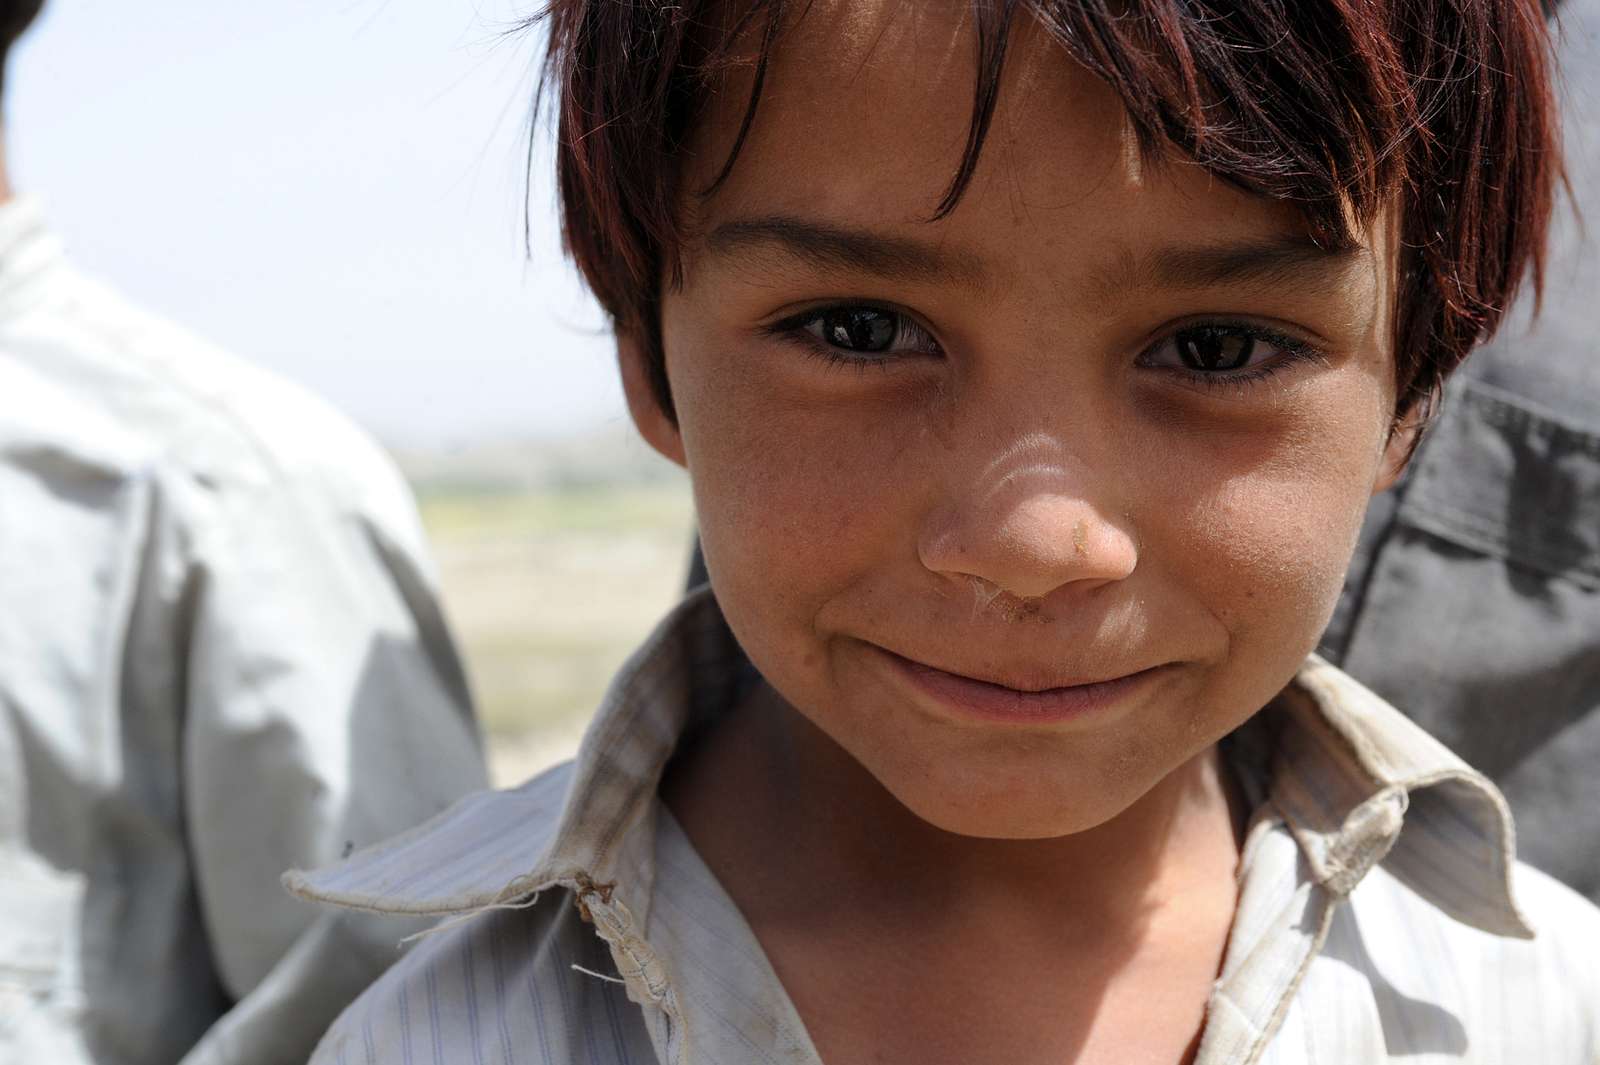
330,188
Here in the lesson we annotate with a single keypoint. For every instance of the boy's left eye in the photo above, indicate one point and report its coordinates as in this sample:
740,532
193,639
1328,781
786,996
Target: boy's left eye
861,332
1223,349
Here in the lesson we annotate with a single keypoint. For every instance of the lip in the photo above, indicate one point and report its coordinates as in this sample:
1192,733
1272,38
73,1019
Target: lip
963,696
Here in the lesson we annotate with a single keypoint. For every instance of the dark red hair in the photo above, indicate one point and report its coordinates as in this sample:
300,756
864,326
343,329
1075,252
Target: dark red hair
1341,107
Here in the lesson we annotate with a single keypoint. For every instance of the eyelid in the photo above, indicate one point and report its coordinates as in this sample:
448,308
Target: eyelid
1276,336
792,317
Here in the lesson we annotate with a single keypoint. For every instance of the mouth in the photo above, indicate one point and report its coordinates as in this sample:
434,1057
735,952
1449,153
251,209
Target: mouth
1019,700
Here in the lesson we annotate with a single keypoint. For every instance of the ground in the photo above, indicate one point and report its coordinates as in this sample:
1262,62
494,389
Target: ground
549,588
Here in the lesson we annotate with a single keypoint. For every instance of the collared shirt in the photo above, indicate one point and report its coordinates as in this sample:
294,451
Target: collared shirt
1376,917
220,656
1474,598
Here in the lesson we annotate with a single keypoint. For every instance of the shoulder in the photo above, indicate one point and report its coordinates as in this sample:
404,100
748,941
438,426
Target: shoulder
490,849
1566,943
1538,996
196,410
526,987
1564,950
513,974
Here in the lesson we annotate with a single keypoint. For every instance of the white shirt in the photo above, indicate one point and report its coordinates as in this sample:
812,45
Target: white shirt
220,656
1381,915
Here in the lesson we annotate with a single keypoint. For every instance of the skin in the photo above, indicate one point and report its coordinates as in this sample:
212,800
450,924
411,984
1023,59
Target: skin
1030,489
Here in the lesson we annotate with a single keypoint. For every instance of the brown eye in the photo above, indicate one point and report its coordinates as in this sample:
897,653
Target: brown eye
862,333
1211,349
1223,352
861,329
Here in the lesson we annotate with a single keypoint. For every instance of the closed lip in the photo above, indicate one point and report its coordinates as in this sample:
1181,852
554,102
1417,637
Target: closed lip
1029,699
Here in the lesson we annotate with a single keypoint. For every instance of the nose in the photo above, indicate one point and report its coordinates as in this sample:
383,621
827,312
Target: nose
1030,537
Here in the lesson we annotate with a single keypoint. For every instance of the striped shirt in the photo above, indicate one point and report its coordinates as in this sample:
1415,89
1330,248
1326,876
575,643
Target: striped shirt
1381,913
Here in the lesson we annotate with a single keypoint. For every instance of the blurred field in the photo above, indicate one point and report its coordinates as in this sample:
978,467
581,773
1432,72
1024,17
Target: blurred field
550,586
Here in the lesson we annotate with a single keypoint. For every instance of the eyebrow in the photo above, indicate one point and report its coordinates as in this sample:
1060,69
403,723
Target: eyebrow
1290,259
1287,260
838,248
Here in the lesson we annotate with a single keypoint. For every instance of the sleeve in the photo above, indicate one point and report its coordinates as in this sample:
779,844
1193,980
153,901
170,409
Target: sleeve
325,709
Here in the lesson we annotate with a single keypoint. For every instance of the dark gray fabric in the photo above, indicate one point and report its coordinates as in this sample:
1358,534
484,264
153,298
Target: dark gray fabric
1473,603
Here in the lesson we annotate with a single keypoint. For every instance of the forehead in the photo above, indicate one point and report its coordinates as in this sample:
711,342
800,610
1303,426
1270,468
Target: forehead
879,93
866,112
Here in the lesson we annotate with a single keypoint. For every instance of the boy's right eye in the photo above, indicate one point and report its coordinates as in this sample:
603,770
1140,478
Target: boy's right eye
859,332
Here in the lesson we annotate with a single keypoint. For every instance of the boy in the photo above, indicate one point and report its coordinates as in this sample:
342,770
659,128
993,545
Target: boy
1032,364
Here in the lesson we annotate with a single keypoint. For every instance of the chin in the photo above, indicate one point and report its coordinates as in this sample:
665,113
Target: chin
1009,810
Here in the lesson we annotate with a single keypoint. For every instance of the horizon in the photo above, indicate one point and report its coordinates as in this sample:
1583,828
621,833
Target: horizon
355,226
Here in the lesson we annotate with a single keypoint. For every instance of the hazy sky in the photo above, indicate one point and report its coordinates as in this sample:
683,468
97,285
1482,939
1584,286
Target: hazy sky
331,188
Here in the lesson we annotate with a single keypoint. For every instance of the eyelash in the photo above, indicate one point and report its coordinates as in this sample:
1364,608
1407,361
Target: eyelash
794,329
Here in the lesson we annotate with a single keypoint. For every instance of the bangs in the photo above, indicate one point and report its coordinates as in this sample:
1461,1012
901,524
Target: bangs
1440,109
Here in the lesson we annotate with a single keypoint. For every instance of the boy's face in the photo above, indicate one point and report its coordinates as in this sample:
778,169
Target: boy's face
1106,422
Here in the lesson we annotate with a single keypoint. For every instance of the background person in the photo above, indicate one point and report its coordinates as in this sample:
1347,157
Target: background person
220,656
1473,601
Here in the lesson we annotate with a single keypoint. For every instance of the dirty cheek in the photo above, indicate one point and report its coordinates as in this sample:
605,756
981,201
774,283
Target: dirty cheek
792,485
1263,518
1285,545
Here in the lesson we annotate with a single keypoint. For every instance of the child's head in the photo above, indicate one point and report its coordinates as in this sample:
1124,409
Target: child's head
1042,343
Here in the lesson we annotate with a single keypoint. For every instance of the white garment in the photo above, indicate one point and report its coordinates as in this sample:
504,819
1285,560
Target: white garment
220,656
1376,919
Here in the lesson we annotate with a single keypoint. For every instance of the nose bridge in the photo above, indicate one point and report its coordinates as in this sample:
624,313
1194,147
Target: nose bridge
1039,514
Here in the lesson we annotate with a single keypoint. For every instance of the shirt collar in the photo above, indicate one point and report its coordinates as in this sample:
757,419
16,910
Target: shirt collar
585,825
1355,782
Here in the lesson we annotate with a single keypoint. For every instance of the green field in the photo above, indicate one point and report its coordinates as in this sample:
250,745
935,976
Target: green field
549,590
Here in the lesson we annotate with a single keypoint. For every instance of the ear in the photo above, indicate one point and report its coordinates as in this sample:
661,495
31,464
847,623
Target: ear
1397,452
659,430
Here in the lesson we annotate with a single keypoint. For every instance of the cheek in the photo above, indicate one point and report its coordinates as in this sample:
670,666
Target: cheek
800,501
1262,524
798,496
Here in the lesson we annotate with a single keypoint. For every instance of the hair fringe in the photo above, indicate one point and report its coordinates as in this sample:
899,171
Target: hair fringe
1341,107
